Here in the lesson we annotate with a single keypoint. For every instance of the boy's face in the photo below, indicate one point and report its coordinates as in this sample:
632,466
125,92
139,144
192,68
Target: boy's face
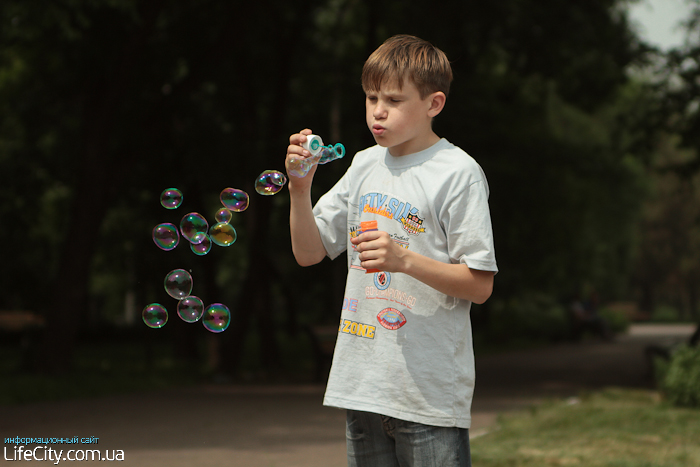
399,119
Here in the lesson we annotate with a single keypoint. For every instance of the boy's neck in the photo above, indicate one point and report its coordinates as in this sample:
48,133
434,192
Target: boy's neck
418,144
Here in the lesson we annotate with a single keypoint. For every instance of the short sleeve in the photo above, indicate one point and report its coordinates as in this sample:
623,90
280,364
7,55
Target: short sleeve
331,214
467,223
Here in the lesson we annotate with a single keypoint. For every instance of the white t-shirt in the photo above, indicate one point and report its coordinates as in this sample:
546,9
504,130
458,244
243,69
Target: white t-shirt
403,349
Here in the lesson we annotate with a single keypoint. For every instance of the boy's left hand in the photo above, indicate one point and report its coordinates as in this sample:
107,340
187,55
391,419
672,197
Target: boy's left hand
378,251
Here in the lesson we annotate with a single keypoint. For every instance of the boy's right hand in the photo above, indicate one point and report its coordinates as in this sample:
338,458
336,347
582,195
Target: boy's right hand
295,150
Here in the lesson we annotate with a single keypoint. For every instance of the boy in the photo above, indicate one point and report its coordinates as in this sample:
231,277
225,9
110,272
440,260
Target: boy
403,365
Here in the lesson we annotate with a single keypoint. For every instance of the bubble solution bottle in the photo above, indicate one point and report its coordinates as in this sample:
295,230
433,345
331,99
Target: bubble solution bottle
369,226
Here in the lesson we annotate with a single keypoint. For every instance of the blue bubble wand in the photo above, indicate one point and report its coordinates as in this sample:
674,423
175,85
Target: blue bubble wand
320,154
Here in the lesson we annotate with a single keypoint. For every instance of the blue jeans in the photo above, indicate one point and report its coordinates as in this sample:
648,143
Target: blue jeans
380,441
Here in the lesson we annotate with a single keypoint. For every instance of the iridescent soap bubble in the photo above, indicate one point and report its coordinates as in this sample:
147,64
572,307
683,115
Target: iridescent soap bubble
155,315
270,182
330,153
165,236
193,227
223,234
171,198
178,284
223,215
299,166
190,309
234,199
320,154
201,249
216,317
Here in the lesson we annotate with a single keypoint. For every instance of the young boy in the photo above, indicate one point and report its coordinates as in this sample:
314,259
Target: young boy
403,365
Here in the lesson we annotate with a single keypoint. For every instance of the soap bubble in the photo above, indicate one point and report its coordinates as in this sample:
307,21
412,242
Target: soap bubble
171,198
216,317
165,236
155,315
190,309
270,182
223,215
223,234
201,249
234,199
193,227
178,284
300,166
330,153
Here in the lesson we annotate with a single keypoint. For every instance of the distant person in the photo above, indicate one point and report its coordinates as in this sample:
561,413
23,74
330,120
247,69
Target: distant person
587,319
403,365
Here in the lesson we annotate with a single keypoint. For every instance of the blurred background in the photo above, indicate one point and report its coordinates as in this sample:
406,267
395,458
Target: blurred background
587,129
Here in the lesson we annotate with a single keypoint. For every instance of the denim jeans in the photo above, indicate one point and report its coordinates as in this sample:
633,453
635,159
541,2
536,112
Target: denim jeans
378,441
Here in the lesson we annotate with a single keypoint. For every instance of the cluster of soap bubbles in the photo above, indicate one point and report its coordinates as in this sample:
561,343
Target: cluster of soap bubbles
190,308
194,226
195,229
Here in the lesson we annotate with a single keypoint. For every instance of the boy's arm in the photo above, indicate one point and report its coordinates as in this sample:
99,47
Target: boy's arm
306,240
377,250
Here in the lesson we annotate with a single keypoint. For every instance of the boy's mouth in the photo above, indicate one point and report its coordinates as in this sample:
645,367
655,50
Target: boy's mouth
378,130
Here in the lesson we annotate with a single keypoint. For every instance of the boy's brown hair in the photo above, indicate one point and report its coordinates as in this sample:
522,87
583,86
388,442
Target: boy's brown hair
408,57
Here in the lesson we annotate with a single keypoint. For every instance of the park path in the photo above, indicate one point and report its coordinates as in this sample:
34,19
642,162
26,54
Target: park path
287,426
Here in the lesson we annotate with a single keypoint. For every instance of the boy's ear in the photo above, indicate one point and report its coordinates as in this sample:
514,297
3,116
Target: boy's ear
437,103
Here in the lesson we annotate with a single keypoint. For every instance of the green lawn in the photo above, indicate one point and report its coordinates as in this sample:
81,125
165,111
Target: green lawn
612,428
105,368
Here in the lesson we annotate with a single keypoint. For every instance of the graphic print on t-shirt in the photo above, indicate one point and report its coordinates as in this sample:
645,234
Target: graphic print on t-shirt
406,216
391,318
381,290
357,329
394,208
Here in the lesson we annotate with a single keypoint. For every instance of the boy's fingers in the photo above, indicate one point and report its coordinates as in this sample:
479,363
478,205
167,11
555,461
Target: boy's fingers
294,149
300,137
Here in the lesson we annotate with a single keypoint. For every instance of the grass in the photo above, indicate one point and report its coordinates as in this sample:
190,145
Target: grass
105,368
114,366
612,428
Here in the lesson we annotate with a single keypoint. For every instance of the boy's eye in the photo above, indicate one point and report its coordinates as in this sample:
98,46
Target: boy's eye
372,98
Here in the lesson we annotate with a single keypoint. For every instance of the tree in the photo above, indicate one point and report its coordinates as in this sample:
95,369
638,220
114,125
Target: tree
107,103
668,270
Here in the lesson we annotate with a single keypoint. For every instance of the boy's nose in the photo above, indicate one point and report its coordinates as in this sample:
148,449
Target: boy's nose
379,112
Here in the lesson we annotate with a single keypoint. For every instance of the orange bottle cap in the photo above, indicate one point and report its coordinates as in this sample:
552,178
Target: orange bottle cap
368,225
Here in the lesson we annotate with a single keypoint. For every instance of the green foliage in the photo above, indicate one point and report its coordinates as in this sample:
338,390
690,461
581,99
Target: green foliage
681,379
105,103
533,317
665,314
669,263
100,369
617,321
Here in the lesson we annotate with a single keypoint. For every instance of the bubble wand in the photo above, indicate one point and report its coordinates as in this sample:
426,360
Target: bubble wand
320,154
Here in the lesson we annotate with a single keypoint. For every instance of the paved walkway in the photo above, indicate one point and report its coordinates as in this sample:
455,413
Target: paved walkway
288,427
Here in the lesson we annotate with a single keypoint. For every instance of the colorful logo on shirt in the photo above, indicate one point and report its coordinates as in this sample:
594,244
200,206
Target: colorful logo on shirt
392,208
382,279
357,329
391,318
390,294
413,224
350,304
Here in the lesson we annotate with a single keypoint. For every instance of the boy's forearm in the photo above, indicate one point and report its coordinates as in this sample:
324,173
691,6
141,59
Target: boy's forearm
306,240
455,280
